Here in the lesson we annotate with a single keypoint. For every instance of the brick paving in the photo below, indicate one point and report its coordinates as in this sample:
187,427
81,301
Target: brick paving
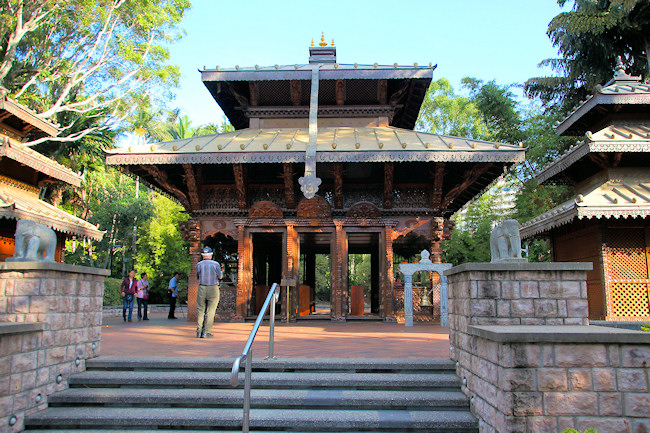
304,339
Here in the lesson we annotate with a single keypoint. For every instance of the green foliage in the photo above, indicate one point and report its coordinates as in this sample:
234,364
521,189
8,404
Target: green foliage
645,327
323,277
112,294
161,249
589,38
445,112
572,430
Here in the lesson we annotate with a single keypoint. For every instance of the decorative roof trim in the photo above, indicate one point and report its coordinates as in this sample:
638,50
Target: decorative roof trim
323,111
28,116
39,162
569,211
623,89
321,156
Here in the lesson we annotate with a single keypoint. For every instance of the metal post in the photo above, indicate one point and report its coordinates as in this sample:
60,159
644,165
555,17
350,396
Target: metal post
247,391
274,299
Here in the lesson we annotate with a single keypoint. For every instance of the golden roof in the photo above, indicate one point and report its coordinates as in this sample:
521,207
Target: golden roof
20,201
334,144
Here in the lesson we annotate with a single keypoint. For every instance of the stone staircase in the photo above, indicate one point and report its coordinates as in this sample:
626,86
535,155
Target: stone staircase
316,395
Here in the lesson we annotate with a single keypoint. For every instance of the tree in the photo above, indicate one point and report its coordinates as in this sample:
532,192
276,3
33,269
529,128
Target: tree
161,249
445,112
589,38
90,57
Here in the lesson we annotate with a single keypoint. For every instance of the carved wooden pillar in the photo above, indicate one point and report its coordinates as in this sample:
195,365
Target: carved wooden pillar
244,272
292,265
289,194
437,230
240,184
435,198
389,169
194,228
386,274
339,273
338,185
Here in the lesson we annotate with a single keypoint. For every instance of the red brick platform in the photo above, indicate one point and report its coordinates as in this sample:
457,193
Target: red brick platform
306,339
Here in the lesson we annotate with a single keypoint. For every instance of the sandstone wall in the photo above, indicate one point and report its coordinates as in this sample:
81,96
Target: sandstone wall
50,323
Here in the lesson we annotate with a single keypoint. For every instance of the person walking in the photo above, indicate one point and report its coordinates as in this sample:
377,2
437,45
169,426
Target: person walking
128,290
208,274
173,294
142,296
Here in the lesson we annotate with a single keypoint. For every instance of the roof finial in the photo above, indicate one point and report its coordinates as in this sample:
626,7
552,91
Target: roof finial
619,64
322,40
332,41
312,42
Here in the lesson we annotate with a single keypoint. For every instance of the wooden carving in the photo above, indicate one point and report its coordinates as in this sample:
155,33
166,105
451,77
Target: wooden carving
265,209
190,230
437,228
314,208
289,193
436,191
240,185
163,180
363,209
253,87
389,169
295,92
338,185
190,181
382,91
470,177
340,92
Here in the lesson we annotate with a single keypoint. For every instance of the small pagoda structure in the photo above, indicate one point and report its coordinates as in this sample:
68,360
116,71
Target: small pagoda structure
23,172
608,221
323,161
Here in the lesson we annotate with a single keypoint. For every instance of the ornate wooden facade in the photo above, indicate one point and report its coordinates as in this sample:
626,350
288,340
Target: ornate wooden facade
23,171
608,221
380,180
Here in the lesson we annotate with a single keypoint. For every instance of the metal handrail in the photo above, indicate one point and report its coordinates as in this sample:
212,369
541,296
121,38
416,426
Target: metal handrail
247,353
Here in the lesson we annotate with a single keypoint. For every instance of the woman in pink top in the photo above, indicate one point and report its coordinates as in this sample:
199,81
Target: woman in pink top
142,296
128,290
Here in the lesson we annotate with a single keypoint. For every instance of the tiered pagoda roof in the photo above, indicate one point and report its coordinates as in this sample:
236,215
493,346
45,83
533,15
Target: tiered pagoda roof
24,170
610,166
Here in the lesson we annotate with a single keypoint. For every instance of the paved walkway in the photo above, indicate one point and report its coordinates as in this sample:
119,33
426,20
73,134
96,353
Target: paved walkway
305,339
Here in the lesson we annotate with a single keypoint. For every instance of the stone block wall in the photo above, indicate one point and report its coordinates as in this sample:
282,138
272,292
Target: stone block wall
528,364
50,320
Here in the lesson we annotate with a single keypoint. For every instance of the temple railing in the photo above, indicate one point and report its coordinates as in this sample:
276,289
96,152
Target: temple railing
247,353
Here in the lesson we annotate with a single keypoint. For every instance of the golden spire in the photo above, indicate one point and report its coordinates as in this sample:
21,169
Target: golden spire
332,42
312,42
322,40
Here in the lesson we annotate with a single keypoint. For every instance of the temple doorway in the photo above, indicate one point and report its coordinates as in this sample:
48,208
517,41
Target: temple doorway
363,275
267,267
315,277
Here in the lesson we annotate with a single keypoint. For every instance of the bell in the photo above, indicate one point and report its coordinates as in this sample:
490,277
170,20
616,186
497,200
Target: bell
425,302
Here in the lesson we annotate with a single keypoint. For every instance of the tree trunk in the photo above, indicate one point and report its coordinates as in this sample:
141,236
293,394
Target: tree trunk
647,53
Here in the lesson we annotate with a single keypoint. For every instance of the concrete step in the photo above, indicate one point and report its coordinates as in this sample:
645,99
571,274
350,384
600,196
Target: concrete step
404,365
261,419
261,398
295,380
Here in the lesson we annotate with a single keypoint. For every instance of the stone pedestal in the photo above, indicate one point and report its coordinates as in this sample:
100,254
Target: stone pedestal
529,362
50,323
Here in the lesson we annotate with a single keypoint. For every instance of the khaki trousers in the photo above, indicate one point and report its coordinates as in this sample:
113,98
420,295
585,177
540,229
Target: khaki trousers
207,300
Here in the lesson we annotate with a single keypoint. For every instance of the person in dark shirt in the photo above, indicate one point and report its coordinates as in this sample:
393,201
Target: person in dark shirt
208,273
173,294
128,290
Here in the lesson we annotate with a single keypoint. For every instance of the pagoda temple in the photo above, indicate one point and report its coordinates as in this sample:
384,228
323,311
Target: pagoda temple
323,161
608,220
23,171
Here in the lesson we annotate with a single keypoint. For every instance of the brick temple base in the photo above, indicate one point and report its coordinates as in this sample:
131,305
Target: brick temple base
50,323
529,362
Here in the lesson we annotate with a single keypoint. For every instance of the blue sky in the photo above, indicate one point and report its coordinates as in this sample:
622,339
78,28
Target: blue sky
486,39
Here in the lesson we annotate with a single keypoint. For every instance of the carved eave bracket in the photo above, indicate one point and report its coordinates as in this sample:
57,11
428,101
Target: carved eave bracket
163,180
289,193
192,188
240,185
470,177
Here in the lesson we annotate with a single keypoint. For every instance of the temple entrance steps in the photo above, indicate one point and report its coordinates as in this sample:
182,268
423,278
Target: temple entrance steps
316,395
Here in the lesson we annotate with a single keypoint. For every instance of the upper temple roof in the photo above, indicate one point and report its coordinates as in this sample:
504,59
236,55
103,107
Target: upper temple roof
622,98
394,91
